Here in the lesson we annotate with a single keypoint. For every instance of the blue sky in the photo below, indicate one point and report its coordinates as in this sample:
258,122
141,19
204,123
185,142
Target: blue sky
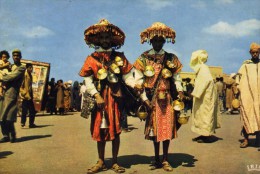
52,30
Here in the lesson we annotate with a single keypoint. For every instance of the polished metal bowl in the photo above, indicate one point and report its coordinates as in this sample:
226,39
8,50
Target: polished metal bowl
149,71
166,73
178,105
102,74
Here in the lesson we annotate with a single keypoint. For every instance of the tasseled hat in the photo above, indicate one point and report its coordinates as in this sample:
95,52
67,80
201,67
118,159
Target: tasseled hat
158,29
91,34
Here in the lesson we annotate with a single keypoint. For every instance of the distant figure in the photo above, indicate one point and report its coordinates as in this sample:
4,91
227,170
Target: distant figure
220,89
52,97
231,92
5,68
26,93
82,92
8,106
223,105
249,86
76,97
60,97
205,99
67,97
71,95
188,99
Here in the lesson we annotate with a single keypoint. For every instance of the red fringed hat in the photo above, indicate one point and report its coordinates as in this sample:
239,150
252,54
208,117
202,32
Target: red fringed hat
91,34
158,29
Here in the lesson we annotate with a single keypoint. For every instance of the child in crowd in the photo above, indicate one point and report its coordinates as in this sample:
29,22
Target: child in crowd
5,68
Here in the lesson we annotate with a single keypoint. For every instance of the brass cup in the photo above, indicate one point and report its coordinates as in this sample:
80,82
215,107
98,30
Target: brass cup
149,71
142,114
183,119
119,61
162,95
170,64
177,105
112,78
102,74
114,68
166,73
235,103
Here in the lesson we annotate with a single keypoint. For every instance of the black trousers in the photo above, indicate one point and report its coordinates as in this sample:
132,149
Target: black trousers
7,128
27,105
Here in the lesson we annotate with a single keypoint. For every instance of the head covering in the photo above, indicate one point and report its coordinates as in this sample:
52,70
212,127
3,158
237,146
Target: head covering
91,34
158,29
254,46
197,58
232,75
69,82
16,51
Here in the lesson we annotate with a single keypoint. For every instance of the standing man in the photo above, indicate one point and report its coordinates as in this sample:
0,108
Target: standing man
82,92
231,92
220,89
205,99
8,106
188,97
104,70
249,86
158,72
26,93
52,97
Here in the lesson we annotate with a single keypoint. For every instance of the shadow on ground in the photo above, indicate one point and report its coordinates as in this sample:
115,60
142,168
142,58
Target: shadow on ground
5,153
38,126
175,159
48,114
215,139
131,128
28,138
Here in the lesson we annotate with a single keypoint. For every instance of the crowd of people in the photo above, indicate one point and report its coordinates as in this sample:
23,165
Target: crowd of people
64,97
154,83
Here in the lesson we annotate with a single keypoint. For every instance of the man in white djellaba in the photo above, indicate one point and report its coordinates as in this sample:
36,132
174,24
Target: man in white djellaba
249,85
205,99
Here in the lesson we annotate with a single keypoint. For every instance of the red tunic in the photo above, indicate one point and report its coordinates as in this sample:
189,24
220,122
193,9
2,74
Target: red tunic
162,119
113,112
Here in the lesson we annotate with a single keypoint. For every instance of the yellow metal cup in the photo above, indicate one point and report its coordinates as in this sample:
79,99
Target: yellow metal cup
142,114
102,74
170,64
114,68
112,78
119,61
149,71
166,73
183,119
177,105
162,95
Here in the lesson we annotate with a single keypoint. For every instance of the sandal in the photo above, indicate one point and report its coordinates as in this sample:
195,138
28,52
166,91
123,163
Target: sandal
167,167
244,144
155,165
97,168
118,169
